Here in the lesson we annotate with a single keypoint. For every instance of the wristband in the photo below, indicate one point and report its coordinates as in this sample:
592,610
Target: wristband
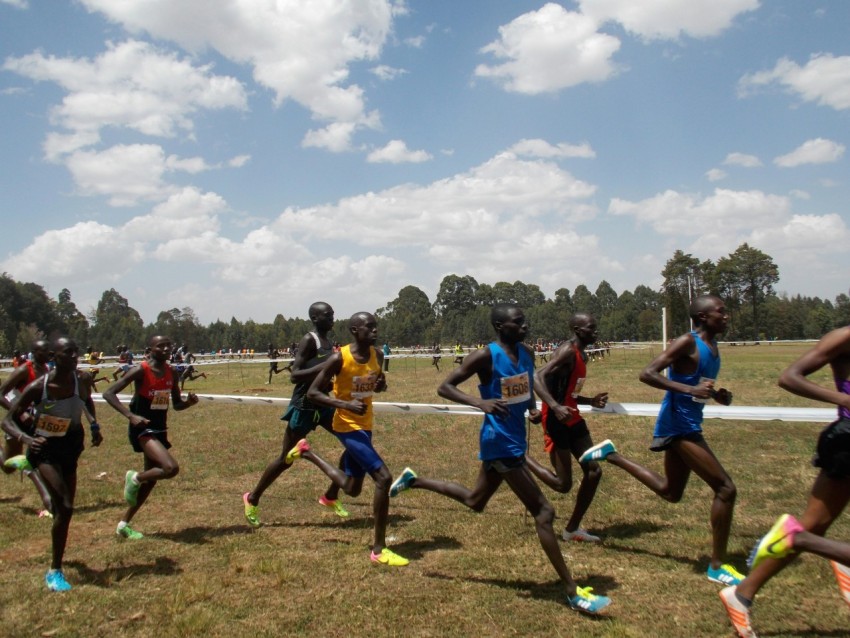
94,427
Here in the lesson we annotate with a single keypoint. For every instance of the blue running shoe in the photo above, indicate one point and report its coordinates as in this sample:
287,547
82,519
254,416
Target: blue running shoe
403,482
598,452
724,575
55,580
587,602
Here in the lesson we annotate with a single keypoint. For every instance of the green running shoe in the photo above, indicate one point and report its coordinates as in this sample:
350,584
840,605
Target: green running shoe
334,506
778,542
252,514
125,531
388,557
131,488
296,452
18,462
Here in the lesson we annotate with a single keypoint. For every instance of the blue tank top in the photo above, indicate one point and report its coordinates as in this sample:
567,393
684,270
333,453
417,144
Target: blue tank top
504,437
681,413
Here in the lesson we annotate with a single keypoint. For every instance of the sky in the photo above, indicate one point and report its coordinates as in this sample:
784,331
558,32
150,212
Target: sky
246,158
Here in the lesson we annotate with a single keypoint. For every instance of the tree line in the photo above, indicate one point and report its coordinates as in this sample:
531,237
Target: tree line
460,312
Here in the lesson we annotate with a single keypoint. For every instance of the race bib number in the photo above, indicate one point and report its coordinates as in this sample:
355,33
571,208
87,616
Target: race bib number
577,389
701,381
363,386
49,426
160,399
516,389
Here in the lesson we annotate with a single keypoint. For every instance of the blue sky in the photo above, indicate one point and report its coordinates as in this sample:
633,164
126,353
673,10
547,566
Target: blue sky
248,158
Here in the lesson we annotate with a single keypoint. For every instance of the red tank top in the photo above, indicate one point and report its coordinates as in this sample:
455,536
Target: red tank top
574,386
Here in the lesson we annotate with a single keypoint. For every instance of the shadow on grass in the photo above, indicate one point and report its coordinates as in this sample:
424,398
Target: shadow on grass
552,591
841,633
100,506
414,550
201,535
629,530
343,523
10,499
162,566
697,564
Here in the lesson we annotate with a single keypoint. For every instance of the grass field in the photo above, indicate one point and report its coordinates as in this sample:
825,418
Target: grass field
202,571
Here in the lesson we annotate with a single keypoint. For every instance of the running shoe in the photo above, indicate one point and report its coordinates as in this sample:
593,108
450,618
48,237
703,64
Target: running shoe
842,575
252,513
296,452
55,580
125,531
388,557
334,506
738,612
403,482
581,535
724,575
777,543
587,602
598,452
131,488
18,462
45,514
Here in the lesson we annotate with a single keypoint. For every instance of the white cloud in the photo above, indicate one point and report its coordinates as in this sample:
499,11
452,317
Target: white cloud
715,174
185,214
133,85
386,73
239,161
191,165
816,151
799,194
543,149
549,50
300,49
396,152
742,159
124,173
674,213
415,42
335,137
18,4
669,19
67,254
825,80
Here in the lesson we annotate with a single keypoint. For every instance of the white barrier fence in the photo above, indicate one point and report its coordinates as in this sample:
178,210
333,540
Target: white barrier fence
736,413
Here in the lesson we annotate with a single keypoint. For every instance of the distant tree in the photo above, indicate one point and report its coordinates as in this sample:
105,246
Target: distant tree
841,316
75,323
115,323
755,273
583,300
682,282
455,298
407,320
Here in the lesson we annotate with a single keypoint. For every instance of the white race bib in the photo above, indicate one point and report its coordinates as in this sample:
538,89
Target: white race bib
160,399
50,426
363,386
516,389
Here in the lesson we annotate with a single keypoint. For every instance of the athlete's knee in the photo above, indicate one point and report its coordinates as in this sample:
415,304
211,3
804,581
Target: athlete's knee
727,492
170,469
564,484
383,482
545,514
672,496
592,472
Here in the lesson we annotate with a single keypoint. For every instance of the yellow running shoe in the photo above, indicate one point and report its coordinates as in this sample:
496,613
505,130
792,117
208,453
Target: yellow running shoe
388,557
296,452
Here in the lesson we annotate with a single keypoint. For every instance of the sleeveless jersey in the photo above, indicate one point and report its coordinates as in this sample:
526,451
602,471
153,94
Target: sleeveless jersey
567,395
682,413
153,396
504,437
32,375
355,381
60,420
299,399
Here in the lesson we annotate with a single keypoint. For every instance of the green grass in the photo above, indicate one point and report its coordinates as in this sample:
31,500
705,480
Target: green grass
202,571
